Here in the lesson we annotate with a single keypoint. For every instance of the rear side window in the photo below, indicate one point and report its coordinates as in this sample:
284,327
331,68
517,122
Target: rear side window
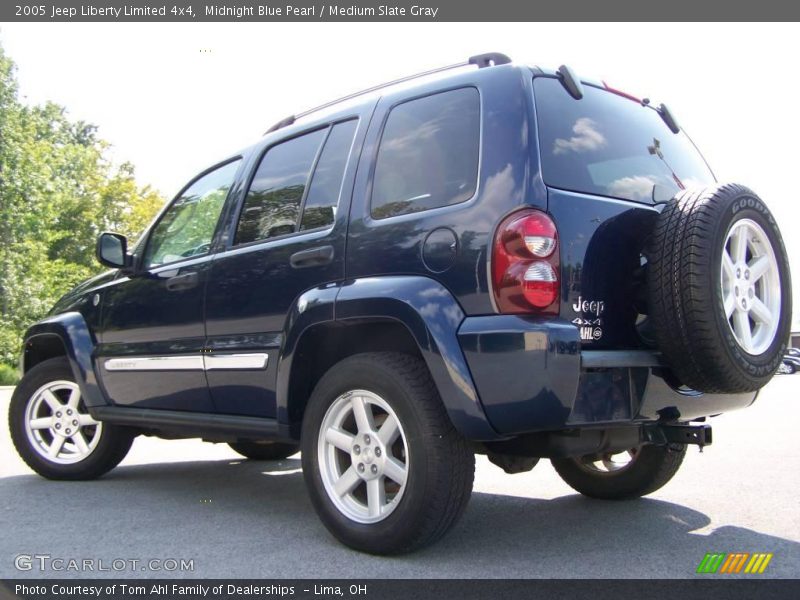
284,197
272,205
428,154
609,145
319,209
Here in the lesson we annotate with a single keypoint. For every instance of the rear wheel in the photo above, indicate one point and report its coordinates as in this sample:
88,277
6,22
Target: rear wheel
623,475
53,431
386,470
788,368
265,450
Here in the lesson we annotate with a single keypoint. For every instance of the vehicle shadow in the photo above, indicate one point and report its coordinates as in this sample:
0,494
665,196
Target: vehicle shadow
240,518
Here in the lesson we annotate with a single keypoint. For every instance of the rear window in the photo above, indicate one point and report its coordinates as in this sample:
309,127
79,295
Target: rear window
609,145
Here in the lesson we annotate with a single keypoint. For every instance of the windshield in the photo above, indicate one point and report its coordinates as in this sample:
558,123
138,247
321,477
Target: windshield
610,145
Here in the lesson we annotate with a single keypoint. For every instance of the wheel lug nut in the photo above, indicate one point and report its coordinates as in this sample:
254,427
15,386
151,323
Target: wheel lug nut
374,469
366,440
744,303
357,449
747,274
360,467
58,425
377,451
69,412
736,290
58,414
75,423
68,431
738,273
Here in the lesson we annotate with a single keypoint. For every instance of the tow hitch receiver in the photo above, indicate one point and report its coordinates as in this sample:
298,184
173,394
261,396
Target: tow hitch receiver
699,435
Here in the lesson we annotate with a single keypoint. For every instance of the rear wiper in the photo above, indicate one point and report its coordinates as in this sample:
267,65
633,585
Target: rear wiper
665,114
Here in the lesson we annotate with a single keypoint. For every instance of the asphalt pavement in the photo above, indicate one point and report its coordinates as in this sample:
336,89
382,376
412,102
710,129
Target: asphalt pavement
232,518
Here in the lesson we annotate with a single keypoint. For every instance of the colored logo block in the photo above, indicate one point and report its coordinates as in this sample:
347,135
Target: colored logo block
732,563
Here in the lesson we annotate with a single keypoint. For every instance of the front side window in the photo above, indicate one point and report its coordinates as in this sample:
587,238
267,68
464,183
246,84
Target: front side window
187,227
428,154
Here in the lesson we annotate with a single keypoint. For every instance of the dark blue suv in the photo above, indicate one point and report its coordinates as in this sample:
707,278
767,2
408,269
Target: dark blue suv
502,260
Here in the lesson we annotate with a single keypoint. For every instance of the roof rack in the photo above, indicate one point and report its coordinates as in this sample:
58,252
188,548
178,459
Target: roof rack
489,59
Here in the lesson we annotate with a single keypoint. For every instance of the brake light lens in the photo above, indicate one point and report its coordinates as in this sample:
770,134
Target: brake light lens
525,265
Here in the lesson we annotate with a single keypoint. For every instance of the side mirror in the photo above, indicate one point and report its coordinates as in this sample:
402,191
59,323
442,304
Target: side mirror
112,250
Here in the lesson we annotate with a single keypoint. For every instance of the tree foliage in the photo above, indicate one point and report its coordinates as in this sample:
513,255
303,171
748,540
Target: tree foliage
58,191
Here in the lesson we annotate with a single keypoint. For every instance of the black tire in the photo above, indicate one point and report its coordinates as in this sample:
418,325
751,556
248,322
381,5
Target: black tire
686,298
650,468
441,465
265,450
112,446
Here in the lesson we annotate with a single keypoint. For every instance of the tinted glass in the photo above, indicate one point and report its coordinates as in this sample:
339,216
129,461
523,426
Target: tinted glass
272,205
187,227
612,146
326,184
428,155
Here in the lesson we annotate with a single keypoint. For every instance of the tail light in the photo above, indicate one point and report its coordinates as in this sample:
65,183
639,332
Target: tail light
525,266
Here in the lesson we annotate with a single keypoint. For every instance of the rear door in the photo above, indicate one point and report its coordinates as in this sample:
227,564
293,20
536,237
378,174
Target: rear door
289,237
608,162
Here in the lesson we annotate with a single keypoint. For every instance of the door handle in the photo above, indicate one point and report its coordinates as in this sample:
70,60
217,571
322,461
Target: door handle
314,257
182,282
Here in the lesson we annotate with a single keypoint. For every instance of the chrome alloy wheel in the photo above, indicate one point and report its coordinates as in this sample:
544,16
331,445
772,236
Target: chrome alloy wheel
363,456
610,462
751,286
58,425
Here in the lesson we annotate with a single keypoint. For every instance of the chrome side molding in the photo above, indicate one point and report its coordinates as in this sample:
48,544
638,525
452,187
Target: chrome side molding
198,362
255,361
156,363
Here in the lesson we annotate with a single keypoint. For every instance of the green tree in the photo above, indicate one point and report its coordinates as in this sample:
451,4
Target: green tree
58,191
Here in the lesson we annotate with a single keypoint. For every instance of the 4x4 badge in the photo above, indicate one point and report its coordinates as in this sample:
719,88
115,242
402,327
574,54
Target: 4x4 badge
594,322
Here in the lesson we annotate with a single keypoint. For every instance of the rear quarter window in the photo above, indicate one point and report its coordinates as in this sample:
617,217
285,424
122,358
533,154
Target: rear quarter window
609,145
428,154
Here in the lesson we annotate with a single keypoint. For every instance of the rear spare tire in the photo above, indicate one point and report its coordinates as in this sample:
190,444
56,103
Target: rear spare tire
719,289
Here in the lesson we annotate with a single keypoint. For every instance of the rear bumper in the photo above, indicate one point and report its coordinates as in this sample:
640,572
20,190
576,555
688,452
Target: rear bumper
532,375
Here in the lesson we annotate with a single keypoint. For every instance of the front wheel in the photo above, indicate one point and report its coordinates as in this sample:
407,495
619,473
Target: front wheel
53,431
624,475
386,470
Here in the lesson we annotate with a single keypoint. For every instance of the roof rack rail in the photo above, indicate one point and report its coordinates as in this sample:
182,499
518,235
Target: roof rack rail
489,59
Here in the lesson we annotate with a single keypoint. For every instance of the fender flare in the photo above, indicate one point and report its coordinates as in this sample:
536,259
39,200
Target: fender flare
312,307
79,344
431,315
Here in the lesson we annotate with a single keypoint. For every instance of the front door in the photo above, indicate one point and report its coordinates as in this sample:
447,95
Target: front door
152,332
